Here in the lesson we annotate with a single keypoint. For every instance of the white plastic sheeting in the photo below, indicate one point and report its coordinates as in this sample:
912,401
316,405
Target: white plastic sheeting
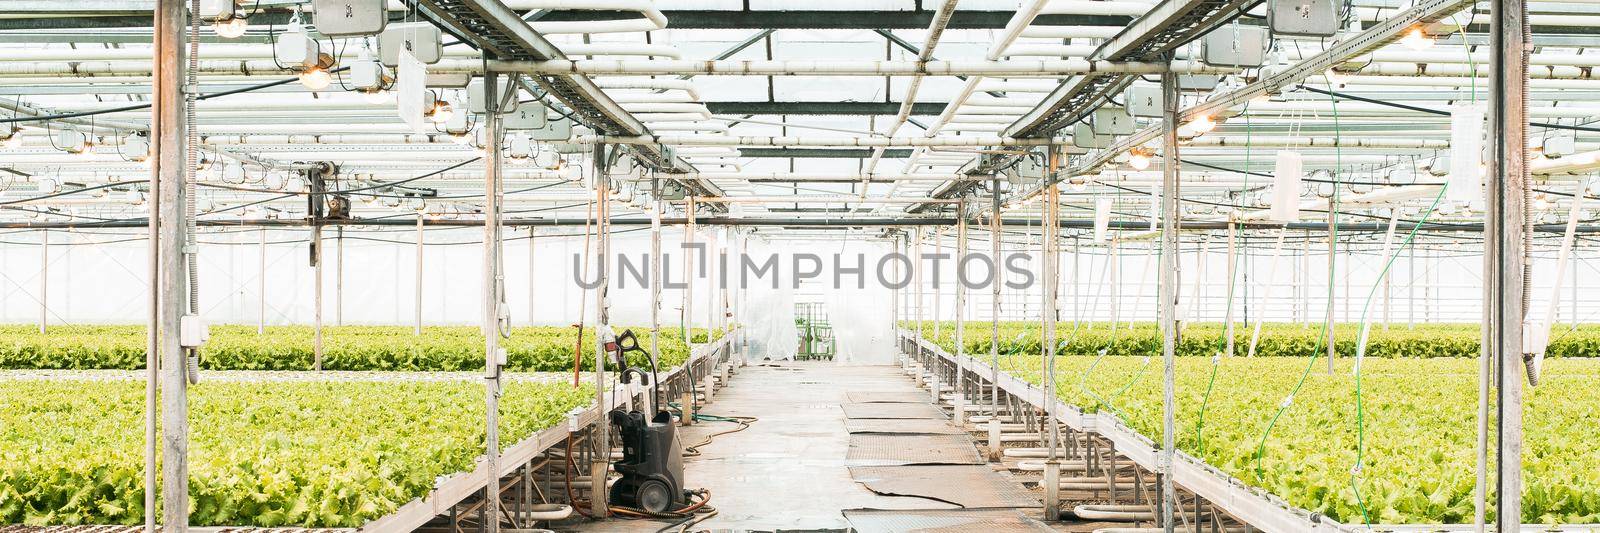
862,315
769,322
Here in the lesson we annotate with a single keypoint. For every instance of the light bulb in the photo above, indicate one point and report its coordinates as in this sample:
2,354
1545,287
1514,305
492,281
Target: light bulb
1540,203
461,138
315,78
294,184
1138,161
1203,124
442,112
15,140
1078,184
1417,40
378,96
134,197
47,186
232,28
273,181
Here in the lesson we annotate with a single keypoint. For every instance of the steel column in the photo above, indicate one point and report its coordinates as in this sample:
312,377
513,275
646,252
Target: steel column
655,284
1052,210
44,280
1167,287
261,283
338,277
602,432
1233,273
316,265
416,328
995,236
1504,300
168,169
492,296
959,400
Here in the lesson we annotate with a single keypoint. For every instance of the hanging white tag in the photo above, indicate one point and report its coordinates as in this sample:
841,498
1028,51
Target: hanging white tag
409,84
1286,176
1466,154
1102,218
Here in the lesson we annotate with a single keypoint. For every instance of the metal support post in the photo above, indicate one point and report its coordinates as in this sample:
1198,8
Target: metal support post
533,283
1167,287
996,282
261,283
655,288
959,398
416,282
1504,288
602,432
493,297
338,277
316,265
1050,227
167,230
688,271
44,280
1233,274
916,271
938,297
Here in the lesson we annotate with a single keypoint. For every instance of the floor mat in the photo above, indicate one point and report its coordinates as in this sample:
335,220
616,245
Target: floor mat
887,397
914,449
947,521
892,410
964,485
912,426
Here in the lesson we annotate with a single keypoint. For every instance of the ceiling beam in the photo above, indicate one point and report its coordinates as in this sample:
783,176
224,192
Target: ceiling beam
820,108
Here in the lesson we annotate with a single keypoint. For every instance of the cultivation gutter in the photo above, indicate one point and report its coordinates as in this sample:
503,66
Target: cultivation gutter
462,485
1253,506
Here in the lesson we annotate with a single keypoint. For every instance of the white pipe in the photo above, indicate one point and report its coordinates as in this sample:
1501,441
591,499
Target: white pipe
1071,32
661,67
1097,7
720,140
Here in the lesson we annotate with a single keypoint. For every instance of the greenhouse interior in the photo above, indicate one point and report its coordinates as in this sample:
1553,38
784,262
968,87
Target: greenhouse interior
527,266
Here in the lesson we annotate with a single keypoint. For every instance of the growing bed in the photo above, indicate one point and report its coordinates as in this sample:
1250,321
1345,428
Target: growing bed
1416,420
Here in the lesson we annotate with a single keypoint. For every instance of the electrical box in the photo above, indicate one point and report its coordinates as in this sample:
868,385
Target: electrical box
1112,120
520,147
421,38
1083,136
1235,45
558,130
193,331
137,147
503,88
1143,100
1198,82
349,18
673,191
569,148
1303,18
369,76
217,9
1558,144
1029,169
529,116
71,140
295,47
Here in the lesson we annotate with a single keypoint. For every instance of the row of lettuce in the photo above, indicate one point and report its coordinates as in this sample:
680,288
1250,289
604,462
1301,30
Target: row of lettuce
383,348
1275,339
1412,419
279,453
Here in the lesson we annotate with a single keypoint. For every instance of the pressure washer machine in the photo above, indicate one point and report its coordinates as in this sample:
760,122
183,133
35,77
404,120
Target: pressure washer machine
652,455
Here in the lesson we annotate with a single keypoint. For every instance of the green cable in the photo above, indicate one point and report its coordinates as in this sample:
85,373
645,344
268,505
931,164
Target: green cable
1327,340
1361,425
1200,425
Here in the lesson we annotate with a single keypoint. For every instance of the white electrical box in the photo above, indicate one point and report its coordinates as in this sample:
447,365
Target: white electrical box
1303,18
217,9
71,140
136,147
1235,46
367,75
422,39
503,87
1112,120
558,130
1558,144
520,147
296,48
1143,100
193,331
1198,82
529,116
349,18
1083,136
